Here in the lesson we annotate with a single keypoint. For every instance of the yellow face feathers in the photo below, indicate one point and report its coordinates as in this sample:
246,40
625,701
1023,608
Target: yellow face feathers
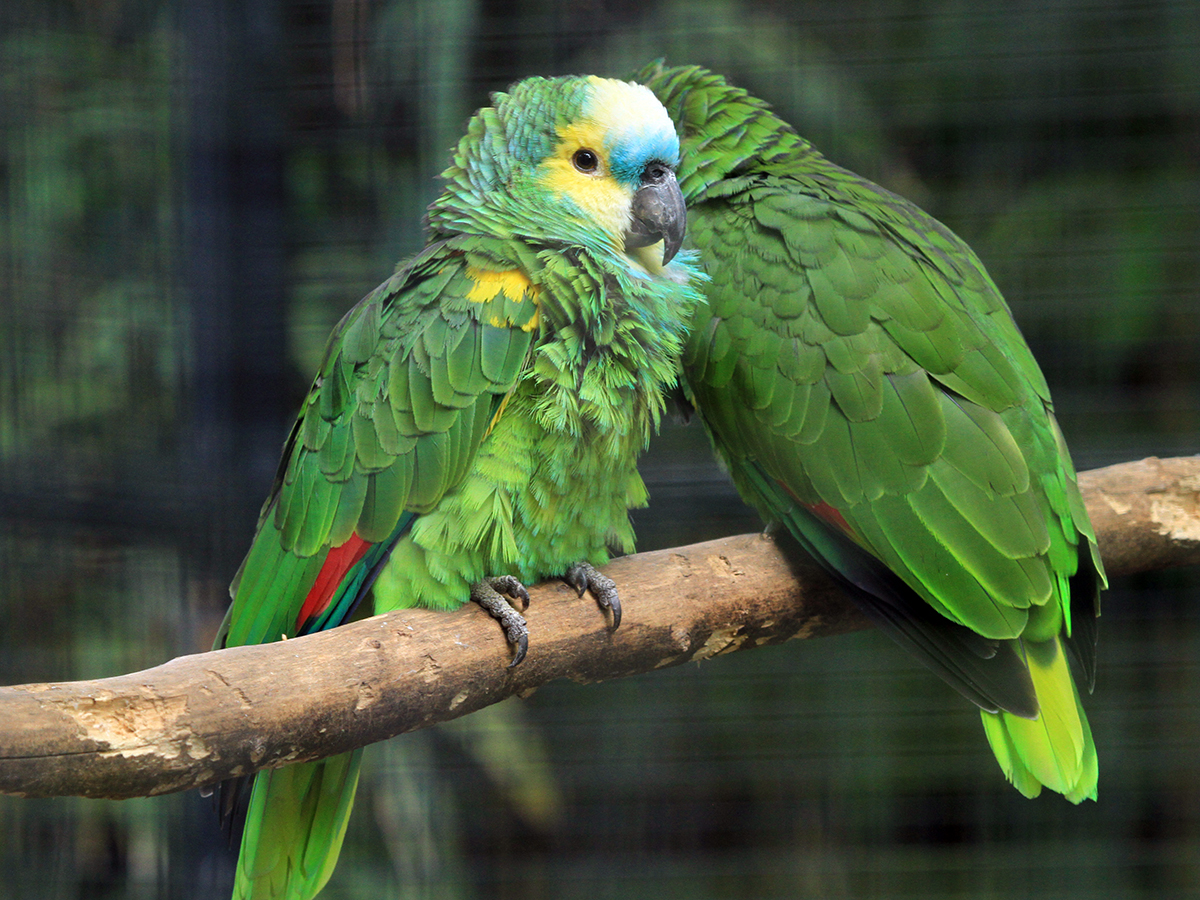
596,193
598,160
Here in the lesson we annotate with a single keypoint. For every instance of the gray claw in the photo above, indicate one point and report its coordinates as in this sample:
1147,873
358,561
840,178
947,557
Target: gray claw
522,648
487,594
583,577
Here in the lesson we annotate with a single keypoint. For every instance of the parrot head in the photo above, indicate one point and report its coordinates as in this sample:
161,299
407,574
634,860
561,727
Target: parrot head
586,159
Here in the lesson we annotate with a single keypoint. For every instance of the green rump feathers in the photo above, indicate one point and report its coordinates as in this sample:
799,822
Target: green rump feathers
864,382
477,415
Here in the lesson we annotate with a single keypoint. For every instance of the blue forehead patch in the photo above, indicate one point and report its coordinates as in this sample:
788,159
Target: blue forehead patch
633,150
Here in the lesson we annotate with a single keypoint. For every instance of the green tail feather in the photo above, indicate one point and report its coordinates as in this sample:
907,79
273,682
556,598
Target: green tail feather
1056,748
294,828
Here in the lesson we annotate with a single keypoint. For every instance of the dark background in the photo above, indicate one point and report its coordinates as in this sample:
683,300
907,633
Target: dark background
191,194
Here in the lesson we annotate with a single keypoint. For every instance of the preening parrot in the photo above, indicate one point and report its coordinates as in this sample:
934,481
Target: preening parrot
476,420
864,382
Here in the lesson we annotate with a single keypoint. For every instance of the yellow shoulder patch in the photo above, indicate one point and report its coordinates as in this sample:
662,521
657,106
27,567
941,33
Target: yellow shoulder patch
511,298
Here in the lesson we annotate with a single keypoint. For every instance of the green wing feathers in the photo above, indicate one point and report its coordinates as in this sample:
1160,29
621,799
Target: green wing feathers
412,380
864,381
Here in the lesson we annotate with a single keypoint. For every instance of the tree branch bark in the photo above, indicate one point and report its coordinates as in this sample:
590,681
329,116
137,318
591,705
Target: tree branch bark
206,717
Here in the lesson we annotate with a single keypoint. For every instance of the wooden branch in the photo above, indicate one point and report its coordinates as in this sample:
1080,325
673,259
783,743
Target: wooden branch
203,718
1146,514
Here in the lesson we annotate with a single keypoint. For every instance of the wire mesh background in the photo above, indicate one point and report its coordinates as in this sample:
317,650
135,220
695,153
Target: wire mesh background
193,194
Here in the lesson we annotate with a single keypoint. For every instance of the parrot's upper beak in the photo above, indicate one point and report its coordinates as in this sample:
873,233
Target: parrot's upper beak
658,212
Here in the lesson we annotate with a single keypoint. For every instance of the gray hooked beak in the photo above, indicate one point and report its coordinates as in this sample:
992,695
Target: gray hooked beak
658,212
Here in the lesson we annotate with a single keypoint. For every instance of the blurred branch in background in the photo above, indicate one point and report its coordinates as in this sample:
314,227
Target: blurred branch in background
204,718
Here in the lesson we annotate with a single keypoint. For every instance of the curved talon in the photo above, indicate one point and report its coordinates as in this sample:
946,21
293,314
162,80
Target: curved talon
487,593
522,649
583,577
509,586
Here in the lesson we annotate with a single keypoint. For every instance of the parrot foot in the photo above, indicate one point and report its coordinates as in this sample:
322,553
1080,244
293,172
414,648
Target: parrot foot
487,593
583,577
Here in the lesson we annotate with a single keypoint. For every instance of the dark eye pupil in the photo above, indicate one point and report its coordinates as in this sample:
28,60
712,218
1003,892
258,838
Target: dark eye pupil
585,160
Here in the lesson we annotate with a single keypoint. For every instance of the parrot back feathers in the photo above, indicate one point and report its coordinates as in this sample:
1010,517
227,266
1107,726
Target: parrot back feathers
862,378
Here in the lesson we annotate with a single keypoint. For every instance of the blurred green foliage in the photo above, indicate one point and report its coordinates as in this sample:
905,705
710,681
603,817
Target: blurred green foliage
90,320
1060,139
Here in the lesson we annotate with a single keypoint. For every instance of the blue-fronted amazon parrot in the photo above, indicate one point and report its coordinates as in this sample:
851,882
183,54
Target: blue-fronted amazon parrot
476,420
864,382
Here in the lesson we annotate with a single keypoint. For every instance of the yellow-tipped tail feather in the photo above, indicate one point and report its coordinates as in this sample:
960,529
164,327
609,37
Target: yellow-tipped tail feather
1055,749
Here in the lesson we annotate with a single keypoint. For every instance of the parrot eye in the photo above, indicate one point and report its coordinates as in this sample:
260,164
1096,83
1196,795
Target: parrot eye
586,160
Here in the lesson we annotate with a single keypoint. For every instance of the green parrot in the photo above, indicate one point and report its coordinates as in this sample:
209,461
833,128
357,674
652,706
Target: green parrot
476,420
864,382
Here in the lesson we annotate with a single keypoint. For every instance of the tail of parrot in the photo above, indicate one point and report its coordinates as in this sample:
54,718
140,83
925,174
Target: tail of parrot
1030,706
296,815
294,828
1054,749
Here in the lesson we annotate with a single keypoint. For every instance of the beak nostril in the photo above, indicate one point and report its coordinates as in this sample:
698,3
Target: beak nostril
655,173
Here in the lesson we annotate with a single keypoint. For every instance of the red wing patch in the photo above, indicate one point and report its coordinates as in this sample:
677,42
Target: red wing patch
822,511
338,562
829,514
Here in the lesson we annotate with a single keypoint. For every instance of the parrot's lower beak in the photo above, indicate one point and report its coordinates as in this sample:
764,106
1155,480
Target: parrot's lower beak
658,213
